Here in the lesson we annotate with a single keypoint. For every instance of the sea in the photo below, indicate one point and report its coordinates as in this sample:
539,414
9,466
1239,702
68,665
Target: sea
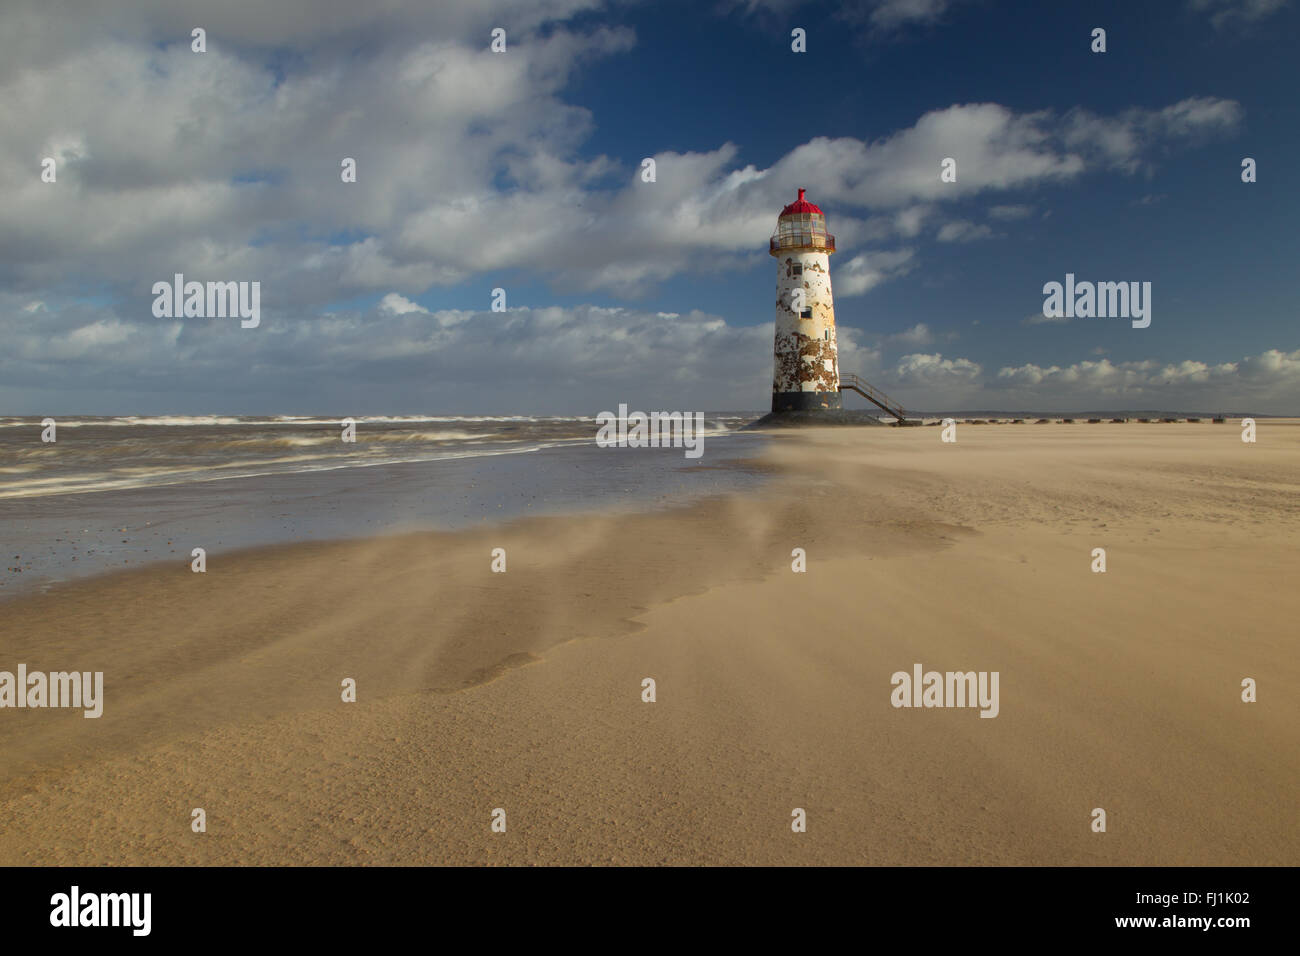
114,493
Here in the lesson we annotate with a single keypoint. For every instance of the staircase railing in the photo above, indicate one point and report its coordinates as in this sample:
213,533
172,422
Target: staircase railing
871,394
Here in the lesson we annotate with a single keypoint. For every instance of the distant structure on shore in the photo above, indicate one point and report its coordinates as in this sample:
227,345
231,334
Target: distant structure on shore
806,373
806,382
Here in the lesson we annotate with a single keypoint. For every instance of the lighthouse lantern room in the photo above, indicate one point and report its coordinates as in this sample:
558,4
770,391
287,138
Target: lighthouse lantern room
805,368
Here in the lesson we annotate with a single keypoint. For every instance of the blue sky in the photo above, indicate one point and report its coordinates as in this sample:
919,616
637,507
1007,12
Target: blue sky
519,170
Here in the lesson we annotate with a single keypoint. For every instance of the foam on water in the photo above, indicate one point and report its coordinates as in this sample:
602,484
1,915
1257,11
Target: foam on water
116,453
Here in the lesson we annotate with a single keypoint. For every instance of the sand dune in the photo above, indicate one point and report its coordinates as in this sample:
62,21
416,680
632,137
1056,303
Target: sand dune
523,690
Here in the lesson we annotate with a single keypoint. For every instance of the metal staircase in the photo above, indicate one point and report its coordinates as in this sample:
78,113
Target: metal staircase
872,394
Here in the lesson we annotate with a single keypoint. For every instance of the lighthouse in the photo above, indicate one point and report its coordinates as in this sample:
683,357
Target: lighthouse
806,375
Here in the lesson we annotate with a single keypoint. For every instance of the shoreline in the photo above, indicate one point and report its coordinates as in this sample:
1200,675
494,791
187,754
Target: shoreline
56,539
478,690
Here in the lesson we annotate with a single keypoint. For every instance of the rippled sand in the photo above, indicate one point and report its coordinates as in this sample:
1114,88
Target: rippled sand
523,690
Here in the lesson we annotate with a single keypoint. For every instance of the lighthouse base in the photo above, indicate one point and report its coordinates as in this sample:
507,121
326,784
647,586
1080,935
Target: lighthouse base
806,401
808,418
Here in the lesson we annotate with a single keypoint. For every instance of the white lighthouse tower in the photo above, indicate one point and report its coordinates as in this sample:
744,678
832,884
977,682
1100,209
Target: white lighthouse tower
806,375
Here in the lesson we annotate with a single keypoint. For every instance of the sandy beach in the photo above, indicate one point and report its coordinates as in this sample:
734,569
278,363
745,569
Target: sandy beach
523,690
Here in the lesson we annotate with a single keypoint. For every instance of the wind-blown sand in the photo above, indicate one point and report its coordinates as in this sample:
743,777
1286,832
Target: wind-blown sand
523,690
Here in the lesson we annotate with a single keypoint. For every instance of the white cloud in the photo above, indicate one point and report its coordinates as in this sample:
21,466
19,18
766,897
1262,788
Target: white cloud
918,334
1037,318
935,370
553,359
891,14
226,169
1267,383
868,270
1226,12
881,17
470,166
399,304
907,222
1271,375
1010,212
963,230
1122,141
855,356
398,356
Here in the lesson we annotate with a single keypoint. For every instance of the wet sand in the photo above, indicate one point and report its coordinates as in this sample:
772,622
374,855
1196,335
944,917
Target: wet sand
522,690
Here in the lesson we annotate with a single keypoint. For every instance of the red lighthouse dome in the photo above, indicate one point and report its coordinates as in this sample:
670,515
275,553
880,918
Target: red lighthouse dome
801,205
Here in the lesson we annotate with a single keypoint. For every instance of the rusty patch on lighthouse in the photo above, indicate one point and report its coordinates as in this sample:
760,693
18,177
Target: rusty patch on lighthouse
804,363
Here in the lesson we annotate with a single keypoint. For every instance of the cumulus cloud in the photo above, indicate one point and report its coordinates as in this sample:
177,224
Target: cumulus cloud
399,304
923,369
227,164
1267,383
907,222
1272,376
866,271
1123,141
399,356
394,354
470,166
918,334
996,149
